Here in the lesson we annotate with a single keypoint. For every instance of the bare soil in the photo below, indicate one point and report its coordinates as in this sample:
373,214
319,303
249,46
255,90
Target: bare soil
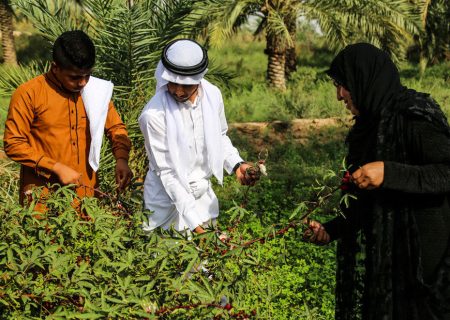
298,130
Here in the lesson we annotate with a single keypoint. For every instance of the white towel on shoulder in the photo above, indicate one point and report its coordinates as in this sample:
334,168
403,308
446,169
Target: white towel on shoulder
96,96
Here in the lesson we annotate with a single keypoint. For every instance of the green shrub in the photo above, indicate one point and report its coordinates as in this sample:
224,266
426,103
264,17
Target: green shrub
100,264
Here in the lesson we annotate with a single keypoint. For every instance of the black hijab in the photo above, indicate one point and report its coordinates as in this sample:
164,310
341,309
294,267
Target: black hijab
373,81
389,237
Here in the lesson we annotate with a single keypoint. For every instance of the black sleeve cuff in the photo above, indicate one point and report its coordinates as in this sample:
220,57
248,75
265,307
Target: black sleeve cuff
237,165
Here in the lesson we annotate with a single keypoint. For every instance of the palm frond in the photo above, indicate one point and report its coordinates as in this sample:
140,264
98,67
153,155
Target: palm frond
220,18
52,17
13,76
388,24
276,23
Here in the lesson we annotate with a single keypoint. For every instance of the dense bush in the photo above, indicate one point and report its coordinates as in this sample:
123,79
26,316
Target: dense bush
100,264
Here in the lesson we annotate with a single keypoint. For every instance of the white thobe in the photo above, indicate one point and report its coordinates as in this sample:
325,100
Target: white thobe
173,204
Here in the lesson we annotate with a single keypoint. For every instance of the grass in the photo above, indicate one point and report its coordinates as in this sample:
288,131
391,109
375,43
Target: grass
435,81
309,93
3,113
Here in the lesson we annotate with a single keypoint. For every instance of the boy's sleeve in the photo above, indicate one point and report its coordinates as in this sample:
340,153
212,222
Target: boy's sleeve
17,132
117,133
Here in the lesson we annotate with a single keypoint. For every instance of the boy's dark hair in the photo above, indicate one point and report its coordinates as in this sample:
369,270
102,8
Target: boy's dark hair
74,49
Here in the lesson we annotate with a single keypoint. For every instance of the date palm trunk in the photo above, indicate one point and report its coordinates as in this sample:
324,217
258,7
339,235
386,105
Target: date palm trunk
276,62
291,54
6,29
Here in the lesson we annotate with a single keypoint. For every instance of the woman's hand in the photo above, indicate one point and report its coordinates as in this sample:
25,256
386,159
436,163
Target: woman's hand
316,233
369,176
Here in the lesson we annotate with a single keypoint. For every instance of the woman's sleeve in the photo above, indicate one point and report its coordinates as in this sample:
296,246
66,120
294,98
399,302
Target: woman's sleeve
349,222
430,171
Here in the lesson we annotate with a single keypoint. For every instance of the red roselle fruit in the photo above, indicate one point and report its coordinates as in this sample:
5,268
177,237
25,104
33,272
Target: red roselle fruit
346,181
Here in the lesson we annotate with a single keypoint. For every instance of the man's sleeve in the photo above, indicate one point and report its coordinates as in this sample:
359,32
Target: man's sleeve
231,154
154,130
17,132
117,133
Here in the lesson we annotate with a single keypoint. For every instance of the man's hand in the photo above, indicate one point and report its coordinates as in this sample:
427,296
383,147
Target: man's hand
316,233
123,174
66,174
246,177
199,230
369,176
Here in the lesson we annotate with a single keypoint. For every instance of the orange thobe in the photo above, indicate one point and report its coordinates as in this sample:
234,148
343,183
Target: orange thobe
47,124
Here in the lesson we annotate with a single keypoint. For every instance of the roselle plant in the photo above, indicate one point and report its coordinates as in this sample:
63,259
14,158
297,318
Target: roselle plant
98,263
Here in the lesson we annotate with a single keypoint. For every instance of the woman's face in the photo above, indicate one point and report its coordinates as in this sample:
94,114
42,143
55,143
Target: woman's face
344,94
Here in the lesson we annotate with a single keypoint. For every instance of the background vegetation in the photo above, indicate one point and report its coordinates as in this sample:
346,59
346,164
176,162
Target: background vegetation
101,264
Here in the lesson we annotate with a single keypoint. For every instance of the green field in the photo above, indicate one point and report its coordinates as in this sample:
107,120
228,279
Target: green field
310,93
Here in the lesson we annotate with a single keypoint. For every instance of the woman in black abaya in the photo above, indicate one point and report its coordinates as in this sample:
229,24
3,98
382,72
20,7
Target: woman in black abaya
393,257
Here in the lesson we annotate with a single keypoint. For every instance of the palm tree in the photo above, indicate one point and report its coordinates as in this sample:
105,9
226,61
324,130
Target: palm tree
386,23
6,29
434,41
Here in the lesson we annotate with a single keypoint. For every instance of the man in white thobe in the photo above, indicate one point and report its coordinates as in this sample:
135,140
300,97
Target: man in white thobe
185,130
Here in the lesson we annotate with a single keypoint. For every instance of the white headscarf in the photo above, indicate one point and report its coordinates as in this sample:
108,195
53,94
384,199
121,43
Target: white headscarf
96,97
185,54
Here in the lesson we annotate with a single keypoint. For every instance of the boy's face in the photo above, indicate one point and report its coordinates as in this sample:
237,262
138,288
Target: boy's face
182,92
72,79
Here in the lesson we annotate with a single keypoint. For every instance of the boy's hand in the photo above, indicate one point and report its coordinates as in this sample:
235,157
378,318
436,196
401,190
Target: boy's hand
66,174
123,174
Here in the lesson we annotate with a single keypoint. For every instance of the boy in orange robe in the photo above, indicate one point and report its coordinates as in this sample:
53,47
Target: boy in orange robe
48,129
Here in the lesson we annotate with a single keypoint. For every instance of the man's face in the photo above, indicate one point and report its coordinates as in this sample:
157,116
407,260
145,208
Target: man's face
344,94
183,92
72,79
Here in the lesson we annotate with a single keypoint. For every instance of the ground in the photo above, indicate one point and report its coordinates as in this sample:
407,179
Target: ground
299,130
265,133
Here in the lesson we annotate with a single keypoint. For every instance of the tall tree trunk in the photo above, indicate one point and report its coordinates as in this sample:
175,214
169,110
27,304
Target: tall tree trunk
291,54
276,62
6,29
423,40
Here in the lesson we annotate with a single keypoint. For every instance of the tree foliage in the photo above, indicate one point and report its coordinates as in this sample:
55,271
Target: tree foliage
434,41
387,24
